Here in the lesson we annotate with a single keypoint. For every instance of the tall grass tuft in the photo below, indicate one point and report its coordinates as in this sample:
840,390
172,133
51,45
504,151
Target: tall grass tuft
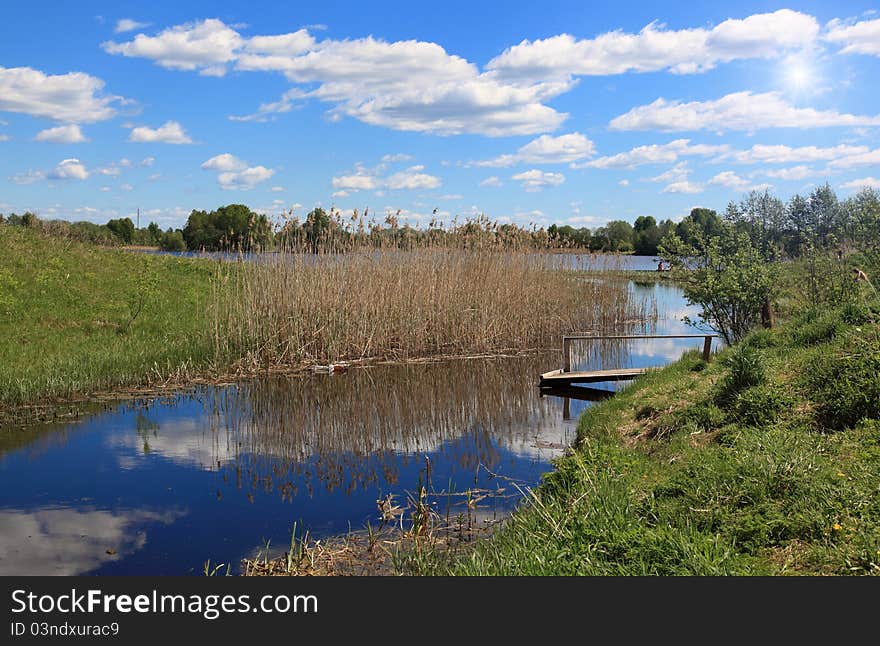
295,307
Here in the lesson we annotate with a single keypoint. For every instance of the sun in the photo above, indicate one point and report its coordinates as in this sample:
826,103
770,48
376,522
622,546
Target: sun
799,75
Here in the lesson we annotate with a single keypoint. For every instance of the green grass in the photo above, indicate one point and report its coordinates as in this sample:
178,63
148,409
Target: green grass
65,309
764,461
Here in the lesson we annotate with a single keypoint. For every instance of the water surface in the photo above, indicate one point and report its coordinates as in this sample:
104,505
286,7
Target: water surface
161,486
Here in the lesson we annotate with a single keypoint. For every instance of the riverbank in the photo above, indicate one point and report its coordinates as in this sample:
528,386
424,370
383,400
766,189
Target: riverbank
78,318
763,461
84,323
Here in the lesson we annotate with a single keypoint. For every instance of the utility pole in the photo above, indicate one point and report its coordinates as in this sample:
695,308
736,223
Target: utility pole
139,218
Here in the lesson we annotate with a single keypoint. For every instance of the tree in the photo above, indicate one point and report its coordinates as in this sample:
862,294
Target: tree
172,240
317,228
726,276
620,235
123,229
699,223
231,227
646,235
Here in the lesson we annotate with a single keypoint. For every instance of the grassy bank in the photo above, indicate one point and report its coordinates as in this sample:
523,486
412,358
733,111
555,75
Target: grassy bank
77,318
764,461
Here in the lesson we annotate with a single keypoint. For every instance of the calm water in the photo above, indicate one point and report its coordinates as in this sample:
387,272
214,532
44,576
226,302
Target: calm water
582,261
160,487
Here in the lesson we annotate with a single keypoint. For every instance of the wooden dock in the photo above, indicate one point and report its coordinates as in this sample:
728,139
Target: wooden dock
566,377
560,377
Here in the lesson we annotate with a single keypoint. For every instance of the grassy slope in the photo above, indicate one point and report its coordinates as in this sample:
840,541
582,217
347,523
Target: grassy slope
62,304
715,470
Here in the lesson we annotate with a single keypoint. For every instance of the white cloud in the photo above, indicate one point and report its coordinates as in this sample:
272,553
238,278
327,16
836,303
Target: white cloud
656,48
127,24
339,194
396,158
69,169
277,189
493,182
655,154
126,187
857,38
536,180
147,161
224,162
364,179
683,186
27,177
405,85
795,173
69,134
235,174
865,182
356,182
170,132
738,111
71,98
4,137
867,158
624,182
781,154
546,149
412,179
730,179
244,180
677,173
206,46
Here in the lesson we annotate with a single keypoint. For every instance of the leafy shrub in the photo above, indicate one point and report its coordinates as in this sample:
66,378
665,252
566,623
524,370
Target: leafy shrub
762,339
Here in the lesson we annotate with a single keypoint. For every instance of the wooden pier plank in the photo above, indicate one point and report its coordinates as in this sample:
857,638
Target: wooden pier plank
592,376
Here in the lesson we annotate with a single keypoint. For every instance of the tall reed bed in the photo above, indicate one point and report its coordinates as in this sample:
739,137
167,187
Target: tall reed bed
295,308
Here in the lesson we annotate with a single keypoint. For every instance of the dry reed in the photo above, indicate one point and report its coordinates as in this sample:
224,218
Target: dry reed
294,308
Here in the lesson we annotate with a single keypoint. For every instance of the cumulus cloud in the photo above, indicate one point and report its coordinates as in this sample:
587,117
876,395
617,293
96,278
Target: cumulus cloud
781,154
684,186
363,179
127,24
206,46
730,179
856,37
171,132
747,111
69,134
656,48
795,173
492,181
405,85
536,180
69,169
147,161
224,162
74,97
865,182
235,174
546,149
866,158
655,154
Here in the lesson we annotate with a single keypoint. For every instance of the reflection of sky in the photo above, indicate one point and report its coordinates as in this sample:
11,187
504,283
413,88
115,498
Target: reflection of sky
67,498
53,541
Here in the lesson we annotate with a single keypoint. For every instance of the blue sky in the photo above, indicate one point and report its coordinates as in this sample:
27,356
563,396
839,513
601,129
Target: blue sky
526,112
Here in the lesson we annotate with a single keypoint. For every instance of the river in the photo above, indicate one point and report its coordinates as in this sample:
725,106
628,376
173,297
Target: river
160,486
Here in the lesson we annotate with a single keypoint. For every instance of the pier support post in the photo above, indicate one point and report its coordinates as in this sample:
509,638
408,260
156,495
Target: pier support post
707,348
566,354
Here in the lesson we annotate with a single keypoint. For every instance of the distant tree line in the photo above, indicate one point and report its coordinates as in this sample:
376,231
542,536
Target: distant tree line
120,231
777,228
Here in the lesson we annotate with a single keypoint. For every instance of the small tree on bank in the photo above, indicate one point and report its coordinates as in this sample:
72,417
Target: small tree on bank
726,276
